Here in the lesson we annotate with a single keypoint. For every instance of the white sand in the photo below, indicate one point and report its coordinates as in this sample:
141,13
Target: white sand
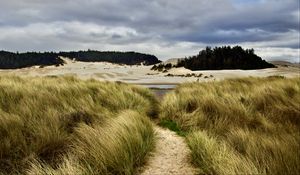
143,74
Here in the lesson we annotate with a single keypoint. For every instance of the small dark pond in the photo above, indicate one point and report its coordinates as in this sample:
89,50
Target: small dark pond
160,89
160,86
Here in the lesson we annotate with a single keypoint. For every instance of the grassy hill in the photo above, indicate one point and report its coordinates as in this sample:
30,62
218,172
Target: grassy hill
70,126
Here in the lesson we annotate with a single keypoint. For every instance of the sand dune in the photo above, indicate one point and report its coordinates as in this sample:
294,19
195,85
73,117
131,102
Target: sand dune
143,74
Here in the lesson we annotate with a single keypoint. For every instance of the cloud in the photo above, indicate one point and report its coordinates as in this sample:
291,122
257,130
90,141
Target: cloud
169,28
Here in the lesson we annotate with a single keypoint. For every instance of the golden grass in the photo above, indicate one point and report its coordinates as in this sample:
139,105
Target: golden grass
68,126
239,126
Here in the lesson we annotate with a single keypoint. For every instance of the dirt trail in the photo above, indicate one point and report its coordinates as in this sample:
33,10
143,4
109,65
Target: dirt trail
171,155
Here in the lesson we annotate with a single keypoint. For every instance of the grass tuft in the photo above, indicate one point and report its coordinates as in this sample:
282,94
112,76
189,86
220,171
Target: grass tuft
172,126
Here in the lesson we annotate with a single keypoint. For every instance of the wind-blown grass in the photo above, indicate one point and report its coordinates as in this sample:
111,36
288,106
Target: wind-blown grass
239,126
69,126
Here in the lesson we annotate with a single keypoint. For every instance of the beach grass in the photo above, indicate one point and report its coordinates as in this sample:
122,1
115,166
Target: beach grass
63,125
239,126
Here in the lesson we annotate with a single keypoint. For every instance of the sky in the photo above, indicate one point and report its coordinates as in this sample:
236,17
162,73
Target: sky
165,28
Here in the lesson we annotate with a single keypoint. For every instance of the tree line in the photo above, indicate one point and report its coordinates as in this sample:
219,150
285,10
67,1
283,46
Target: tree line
225,57
218,58
11,60
129,58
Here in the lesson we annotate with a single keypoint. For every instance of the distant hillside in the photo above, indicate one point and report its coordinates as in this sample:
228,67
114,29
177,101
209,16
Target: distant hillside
285,64
10,60
222,58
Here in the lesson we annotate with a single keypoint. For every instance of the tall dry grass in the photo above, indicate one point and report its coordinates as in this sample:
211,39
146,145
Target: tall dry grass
239,126
69,126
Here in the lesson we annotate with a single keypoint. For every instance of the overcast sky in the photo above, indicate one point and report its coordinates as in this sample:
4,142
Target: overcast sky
165,28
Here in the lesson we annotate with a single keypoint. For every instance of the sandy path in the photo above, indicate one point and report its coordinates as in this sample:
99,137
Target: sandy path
171,155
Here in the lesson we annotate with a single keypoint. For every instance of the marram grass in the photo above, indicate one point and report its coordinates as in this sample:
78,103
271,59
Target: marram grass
69,126
239,126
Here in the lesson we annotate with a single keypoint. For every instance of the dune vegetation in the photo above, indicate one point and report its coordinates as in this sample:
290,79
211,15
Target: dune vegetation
63,125
238,126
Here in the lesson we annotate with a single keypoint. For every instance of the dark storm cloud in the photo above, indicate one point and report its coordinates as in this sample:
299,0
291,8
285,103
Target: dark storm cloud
166,25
